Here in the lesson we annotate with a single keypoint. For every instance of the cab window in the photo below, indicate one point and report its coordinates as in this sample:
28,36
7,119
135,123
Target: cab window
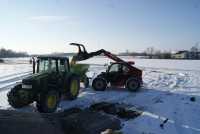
62,65
46,65
125,69
52,66
43,65
114,68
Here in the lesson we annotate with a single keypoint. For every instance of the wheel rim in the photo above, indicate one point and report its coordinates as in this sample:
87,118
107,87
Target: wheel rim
23,95
99,84
51,101
132,85
74,88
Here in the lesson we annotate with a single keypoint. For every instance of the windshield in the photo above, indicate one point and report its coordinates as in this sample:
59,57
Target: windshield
46,65
114,68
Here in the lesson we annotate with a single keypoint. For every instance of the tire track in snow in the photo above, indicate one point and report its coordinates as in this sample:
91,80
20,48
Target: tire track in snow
11,81
13,74
166,79
8,79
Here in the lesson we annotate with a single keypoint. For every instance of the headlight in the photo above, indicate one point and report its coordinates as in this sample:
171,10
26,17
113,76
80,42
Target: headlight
26,86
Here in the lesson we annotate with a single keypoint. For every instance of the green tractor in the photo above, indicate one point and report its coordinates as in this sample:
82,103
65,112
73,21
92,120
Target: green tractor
53,78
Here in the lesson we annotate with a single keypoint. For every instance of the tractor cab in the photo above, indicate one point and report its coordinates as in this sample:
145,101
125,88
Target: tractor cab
51,64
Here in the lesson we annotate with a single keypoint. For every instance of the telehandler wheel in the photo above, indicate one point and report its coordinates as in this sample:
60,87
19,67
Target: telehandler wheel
18,97
74,87
48,101
132,84
99,84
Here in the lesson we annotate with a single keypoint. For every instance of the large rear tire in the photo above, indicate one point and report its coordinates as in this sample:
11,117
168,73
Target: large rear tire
18,97
74,87
48,101
99,84
132,84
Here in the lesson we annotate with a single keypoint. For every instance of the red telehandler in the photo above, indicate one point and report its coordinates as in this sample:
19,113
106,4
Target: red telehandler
120,73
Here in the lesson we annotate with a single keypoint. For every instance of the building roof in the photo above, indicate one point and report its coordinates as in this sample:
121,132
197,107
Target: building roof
180,52
52,57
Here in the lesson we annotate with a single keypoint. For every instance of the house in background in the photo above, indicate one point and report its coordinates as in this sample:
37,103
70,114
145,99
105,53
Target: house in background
181,55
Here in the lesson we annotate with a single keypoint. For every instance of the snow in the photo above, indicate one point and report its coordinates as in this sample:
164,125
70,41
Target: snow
168,87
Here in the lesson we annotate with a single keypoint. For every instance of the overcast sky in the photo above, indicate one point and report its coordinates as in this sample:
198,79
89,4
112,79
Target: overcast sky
44,26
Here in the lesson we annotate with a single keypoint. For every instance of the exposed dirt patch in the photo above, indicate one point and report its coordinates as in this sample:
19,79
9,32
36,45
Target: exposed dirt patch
93,120
122,111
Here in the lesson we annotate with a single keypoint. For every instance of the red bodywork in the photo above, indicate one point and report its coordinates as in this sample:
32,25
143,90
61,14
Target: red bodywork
122,78
133,70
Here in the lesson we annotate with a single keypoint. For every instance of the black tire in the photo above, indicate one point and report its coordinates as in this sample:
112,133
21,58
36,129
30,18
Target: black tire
18,97
86,82
48,101
99,84
73,88
132,84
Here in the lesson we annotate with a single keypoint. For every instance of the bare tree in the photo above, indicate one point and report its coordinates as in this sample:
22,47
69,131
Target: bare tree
194,51
150,51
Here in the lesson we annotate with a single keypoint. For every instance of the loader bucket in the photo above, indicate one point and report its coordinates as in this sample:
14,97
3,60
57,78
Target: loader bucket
80,69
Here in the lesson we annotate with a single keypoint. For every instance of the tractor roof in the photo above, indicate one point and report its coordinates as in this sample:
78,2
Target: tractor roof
52,57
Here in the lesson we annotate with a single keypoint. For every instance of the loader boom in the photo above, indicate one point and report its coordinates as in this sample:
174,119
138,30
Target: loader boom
84,55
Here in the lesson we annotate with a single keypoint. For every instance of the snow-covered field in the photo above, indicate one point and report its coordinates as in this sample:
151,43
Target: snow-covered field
165,96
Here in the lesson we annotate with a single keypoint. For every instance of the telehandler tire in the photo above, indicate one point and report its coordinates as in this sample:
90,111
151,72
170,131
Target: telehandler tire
132,84
99,84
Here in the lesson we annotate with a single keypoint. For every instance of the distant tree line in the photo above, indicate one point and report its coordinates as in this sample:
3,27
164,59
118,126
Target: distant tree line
153,53
7,53
150,53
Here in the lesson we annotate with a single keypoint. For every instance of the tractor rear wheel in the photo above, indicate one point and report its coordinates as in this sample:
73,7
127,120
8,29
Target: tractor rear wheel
99,84
132,84
74,87
18,97
48,101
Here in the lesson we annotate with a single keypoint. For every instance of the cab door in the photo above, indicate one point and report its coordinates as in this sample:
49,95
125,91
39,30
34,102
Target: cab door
115,73
52,69
63,70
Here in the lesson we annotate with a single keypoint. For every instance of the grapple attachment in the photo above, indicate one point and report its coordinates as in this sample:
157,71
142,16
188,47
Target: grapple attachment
83,54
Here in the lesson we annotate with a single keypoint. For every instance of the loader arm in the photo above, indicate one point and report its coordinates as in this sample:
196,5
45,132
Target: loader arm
84,55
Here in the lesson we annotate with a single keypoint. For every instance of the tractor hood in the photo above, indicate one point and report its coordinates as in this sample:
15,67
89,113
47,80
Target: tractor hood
34,78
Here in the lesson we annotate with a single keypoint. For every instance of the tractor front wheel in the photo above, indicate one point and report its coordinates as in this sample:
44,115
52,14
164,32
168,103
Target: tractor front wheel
18,97
99,84
48,101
